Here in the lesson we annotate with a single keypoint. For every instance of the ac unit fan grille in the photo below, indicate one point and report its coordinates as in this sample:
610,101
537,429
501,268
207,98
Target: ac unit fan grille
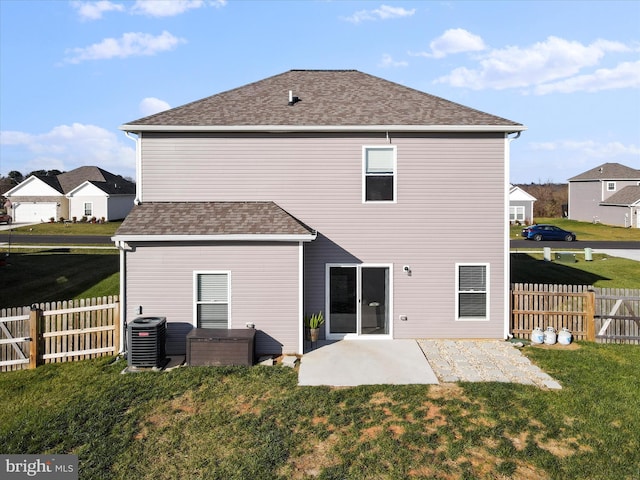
147,338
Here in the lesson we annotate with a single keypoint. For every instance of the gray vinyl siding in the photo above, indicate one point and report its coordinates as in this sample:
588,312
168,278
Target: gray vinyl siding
528,209
264,288
119,206
451,206
585,198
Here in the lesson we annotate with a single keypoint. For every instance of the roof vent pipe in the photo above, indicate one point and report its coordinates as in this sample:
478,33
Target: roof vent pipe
292,99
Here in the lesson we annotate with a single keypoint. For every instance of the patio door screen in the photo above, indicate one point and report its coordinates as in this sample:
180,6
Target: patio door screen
358,300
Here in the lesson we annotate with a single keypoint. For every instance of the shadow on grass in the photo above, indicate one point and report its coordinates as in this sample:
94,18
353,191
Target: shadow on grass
526,269
51,275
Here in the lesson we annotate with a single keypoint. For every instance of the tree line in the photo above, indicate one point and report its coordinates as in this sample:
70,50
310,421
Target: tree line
552,199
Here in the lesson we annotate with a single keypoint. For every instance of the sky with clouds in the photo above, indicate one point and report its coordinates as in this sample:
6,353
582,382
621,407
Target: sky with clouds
72,72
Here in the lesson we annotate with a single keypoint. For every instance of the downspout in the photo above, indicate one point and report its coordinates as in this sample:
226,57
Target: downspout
123,298
507,240
138,199
301,298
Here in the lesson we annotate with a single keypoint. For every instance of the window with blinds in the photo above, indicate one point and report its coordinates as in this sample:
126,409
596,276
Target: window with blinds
212,300
472,292
379,174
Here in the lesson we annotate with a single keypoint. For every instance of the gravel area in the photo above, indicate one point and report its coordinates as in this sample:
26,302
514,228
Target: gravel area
483,361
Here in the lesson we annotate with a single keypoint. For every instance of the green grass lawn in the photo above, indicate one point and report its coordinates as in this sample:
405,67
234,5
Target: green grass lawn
35,276
70,229
584,230
241,422
603,271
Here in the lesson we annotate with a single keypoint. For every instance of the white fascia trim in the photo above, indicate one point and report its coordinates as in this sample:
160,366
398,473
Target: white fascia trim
323,128
215,238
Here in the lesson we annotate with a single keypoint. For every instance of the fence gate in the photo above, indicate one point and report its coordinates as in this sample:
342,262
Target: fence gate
618,315
59,332
14,342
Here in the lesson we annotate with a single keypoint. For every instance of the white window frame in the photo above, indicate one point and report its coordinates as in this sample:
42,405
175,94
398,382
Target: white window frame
516,213
611,186
486,291
196,302
394,150
84,209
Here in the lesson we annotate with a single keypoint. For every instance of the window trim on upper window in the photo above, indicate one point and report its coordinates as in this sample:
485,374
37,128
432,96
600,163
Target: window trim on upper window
367,174
90,210
485,291
219,301
611,186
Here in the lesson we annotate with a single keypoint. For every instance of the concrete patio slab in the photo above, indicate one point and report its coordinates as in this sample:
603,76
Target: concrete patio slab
349,363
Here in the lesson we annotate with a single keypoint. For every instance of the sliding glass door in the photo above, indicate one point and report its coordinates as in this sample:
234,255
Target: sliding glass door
358,300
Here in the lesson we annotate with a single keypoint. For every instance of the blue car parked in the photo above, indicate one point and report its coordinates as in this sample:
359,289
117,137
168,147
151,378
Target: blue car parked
547,232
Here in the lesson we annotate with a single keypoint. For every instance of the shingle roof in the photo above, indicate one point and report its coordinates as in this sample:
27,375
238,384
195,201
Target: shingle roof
326,98
627,196
53,182
210,219
105,181
608,171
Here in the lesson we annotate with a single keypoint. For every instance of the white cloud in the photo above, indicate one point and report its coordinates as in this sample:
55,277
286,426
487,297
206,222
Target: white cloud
388,61
164,8
94,10
625,75
385,12
151,105
66,147
134,44
589,148
152,8
454,40
516,67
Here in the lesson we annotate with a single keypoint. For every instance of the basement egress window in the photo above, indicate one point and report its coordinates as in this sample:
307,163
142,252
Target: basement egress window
379,174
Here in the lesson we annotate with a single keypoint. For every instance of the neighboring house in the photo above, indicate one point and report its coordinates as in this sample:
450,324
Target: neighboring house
320,190
520,206
607,194
83,192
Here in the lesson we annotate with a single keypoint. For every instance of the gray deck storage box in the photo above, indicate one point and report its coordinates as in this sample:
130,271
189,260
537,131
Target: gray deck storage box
216,346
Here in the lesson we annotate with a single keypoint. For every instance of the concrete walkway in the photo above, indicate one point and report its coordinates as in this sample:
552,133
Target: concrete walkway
402,362
629,254
483,361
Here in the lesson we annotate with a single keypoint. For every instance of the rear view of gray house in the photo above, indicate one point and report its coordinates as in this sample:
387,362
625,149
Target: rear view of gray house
609,193
320,190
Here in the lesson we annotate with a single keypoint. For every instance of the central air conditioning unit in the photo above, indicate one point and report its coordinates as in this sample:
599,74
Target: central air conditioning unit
146,343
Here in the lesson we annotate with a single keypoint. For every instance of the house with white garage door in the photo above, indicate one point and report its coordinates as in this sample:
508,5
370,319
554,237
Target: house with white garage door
87,191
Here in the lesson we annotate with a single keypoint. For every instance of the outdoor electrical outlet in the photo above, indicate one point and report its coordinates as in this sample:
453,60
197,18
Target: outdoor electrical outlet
404,318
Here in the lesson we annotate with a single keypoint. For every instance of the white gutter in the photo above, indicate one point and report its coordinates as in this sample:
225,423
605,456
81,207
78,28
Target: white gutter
138,198
218,238
323,128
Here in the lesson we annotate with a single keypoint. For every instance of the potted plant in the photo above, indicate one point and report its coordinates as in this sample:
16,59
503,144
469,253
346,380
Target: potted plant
313,322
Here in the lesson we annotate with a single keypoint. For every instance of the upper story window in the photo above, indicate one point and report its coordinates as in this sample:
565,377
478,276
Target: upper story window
379,174
611,186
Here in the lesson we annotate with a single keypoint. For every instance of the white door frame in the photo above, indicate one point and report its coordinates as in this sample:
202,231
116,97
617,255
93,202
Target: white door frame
358,267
